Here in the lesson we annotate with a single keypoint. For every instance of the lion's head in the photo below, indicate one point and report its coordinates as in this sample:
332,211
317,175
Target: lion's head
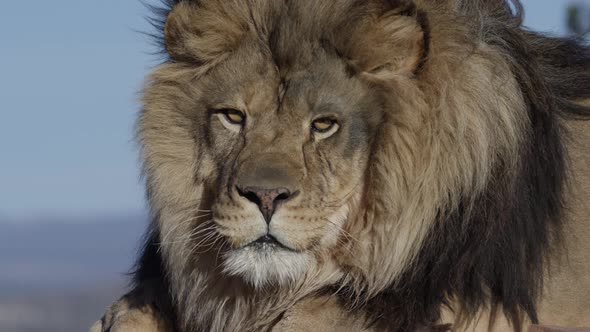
289,141
270,120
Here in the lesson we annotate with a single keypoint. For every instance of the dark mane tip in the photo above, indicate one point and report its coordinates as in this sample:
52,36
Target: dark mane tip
422,18
157,20
403,7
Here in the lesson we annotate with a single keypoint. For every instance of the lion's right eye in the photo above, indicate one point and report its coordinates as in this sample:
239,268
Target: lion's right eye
233,116
231,119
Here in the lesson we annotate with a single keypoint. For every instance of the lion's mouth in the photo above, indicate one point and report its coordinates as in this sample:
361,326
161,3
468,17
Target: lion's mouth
267,242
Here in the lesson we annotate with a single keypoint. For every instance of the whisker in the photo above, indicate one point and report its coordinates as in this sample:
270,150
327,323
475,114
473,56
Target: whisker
223,245
340,229
206,238
185,237
209,246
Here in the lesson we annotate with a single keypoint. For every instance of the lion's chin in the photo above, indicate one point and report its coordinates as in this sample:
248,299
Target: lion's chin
266,265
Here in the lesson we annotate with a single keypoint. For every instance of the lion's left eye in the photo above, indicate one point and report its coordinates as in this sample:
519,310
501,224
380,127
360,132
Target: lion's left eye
324,127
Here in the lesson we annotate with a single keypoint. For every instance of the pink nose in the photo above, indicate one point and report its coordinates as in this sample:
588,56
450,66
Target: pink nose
267,200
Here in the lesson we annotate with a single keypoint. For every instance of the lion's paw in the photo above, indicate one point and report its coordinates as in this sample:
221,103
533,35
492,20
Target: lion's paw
123,316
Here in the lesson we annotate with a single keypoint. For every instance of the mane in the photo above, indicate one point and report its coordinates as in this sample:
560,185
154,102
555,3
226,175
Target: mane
492,250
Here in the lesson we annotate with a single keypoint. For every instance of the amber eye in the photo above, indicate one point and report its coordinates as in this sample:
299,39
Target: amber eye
232,116
323,125
231,119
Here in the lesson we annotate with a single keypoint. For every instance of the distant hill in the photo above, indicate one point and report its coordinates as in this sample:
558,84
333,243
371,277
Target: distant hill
60,274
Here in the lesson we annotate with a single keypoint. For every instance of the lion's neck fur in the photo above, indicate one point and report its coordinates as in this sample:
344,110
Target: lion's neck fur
211,302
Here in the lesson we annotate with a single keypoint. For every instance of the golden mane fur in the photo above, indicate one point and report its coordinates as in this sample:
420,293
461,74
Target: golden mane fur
442,186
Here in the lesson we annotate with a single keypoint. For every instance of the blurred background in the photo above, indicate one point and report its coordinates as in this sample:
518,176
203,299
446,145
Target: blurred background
72,210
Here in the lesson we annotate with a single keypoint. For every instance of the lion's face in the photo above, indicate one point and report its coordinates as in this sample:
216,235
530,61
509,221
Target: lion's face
289,151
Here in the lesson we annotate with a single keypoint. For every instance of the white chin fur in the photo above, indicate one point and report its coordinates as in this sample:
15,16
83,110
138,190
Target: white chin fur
266,265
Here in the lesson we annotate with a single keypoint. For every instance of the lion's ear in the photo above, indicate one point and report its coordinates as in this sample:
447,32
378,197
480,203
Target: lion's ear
201,32
177,30
395,42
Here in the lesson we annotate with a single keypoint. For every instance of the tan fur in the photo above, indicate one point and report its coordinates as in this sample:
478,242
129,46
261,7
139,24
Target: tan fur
126,315
439,138
314,314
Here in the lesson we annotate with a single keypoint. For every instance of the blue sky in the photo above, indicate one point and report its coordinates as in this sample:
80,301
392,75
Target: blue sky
70,72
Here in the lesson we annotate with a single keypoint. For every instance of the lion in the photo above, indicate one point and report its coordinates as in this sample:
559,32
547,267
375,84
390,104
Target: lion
374,165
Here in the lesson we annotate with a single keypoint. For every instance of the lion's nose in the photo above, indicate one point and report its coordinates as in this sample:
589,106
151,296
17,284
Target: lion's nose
268,200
